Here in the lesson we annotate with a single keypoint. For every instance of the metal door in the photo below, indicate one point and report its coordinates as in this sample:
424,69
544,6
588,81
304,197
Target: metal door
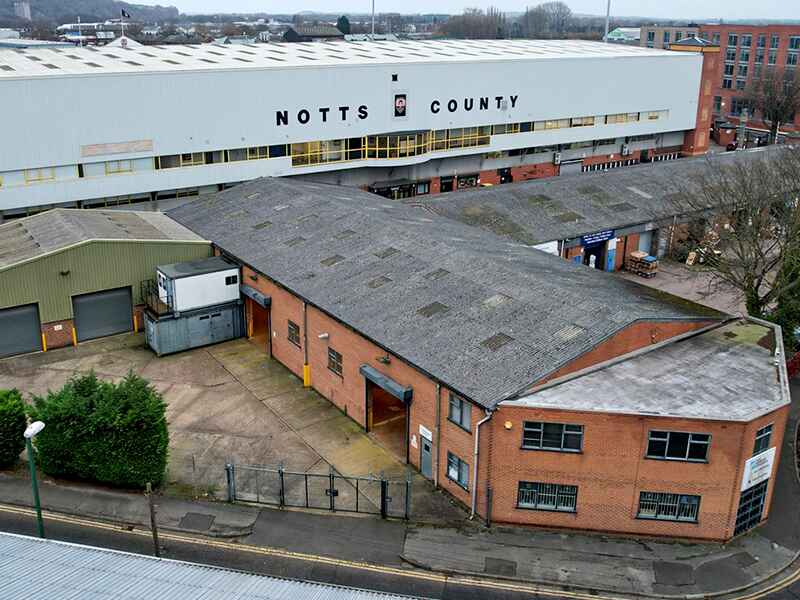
20,329
102,313
751,507
425,458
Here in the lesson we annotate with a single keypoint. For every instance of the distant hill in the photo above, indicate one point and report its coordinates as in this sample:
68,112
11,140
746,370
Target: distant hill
89,10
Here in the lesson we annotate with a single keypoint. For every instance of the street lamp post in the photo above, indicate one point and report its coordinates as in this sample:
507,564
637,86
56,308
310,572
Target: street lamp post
33,429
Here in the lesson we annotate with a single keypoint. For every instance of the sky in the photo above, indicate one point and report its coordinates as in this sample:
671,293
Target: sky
676,9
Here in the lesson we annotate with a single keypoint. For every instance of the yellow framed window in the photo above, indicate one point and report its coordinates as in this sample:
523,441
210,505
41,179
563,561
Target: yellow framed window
191,159
583,121
114,167
39,175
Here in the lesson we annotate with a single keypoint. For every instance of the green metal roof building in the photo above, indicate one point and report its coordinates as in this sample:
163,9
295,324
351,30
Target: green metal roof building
69,275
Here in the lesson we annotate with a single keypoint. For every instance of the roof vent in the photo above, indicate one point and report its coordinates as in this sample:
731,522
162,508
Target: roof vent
387,252
376,283
569,217
295,241
437,274
495,301
622,207
331,260
497,341
434,308
569,332
262,225
343,235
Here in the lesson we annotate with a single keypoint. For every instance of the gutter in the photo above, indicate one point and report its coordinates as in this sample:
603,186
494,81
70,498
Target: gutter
474,496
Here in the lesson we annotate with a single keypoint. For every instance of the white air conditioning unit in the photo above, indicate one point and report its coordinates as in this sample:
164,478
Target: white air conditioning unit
626,150
556,158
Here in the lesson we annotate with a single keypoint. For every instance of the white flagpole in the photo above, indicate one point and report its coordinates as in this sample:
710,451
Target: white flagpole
80,35
122,23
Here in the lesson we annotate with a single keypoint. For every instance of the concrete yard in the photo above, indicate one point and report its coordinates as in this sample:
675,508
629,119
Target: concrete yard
693,283
230,403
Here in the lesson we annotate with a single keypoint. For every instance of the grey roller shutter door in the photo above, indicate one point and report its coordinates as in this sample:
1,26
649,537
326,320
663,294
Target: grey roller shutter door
20,331
102,313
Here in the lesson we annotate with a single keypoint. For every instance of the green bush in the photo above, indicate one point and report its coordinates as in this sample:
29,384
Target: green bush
105,432
12,426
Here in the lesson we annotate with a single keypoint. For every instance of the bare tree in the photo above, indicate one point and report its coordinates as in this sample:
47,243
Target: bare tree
550,19
559,16
775,96
477,24
755,202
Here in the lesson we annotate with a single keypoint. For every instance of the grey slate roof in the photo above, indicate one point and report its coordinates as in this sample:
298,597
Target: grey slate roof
559,208
25,239
39,569
723,374
483,315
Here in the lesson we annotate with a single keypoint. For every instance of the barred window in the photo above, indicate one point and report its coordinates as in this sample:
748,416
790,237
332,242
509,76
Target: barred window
763,438
459,412
547,496
677,445
335,361
457,470
668,507
294,335
552,436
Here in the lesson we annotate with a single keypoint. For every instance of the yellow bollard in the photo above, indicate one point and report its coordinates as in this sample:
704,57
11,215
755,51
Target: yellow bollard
74,337
135,323
306,376
44,342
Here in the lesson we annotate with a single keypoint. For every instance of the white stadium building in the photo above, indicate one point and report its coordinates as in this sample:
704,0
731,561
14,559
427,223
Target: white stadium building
98,126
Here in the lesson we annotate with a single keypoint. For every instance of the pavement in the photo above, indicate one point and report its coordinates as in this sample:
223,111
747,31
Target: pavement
693,283
229,403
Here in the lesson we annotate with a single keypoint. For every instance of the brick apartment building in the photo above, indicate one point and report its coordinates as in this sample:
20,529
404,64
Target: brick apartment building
746,51
662,36
531,389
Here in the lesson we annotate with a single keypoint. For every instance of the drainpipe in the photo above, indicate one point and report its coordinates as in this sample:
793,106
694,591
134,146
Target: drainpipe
306,368
474,499
436,434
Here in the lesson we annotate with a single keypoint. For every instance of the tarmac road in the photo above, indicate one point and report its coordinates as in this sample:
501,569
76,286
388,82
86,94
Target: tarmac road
280,563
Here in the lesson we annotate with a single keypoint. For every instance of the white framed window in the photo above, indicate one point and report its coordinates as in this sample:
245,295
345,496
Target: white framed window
457,470
114,167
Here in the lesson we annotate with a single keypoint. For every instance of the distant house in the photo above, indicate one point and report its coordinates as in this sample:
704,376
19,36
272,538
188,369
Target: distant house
312,33
625,35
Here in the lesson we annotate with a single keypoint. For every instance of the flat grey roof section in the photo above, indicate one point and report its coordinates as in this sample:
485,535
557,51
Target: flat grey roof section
196,267
485,316
223,57
560,208
723,374
25,239
38,569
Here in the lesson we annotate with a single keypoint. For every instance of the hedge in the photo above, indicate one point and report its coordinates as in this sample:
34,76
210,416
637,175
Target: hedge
12,426
104,432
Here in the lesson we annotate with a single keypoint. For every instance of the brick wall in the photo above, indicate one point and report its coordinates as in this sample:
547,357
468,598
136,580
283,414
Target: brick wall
58,333
695,141
634,337
537,171
490,177
611,471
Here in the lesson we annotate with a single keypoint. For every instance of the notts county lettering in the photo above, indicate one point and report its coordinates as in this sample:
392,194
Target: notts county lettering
304,115
468,104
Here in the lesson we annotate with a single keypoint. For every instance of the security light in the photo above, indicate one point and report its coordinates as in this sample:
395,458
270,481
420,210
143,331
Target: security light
33,429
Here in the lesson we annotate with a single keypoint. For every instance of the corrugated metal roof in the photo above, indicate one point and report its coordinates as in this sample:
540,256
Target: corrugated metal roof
25,239
90,60
429,289
37,569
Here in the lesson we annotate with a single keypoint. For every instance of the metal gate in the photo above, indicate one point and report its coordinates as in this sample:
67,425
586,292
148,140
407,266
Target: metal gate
102,313
334,492
20,329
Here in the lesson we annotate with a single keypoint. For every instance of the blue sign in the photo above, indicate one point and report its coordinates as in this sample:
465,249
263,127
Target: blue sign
596,238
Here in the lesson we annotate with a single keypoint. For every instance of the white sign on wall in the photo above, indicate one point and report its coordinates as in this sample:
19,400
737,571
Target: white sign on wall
758,468
425,432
